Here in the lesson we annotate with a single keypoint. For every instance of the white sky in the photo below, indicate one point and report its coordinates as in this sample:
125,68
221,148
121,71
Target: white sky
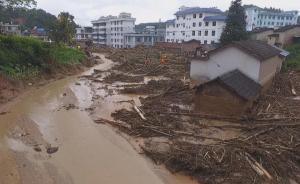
144,10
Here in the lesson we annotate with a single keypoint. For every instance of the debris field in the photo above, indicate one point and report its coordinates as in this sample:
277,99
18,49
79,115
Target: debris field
262,146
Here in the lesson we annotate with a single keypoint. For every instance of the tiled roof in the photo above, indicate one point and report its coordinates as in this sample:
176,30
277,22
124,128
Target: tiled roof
198,10
170,21
215,18
241,84
286,28
260,30
258,49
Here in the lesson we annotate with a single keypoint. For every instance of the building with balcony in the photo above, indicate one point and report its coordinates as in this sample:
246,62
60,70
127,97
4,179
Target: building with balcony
193,23
257,17
83,34
110,30
148,36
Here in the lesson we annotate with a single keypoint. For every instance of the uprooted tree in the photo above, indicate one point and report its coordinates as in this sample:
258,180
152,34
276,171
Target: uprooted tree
235,29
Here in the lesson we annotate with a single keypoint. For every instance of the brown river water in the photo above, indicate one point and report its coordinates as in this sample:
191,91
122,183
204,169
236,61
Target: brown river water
88,153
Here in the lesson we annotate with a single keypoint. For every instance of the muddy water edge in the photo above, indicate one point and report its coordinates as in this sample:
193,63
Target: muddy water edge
48,136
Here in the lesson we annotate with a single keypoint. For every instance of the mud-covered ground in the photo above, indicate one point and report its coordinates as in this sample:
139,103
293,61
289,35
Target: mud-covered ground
49,136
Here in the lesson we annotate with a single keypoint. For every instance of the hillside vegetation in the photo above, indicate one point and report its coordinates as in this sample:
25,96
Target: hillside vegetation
22,57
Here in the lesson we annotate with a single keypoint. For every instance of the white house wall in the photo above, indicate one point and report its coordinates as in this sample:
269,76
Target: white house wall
222,62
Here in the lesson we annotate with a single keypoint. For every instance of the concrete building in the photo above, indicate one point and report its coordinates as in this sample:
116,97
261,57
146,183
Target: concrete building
110,30
203,24
147,37
257,60
83,34
9,29
267,17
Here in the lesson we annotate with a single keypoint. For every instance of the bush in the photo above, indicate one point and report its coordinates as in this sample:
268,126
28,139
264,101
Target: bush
24,57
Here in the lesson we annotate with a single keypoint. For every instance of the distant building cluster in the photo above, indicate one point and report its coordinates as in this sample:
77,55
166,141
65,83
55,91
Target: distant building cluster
190,23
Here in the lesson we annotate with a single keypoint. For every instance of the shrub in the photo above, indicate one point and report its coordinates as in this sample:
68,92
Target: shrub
293,60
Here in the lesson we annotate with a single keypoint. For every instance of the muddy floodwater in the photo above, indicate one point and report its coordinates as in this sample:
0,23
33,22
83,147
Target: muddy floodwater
56,116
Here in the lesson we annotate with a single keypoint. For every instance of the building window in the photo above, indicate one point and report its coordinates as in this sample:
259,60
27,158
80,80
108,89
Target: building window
200,15
205,41
194,24
194,16
206,23
193,33
200,24
213,33
199,33
206,33
214,23
212,42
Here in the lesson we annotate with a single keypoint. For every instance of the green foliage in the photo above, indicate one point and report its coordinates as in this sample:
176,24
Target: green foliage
28,17
293,60
64,55
235,29
23,57
64,28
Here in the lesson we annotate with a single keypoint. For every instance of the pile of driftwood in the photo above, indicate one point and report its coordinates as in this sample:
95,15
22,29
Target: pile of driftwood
147,62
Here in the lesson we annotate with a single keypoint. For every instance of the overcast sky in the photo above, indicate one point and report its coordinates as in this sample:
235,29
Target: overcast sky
144,10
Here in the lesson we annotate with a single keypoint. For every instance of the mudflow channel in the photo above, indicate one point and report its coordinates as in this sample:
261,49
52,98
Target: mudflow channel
48,136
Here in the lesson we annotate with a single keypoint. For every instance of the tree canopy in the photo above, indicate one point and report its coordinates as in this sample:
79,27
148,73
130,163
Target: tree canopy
235,29
17,3
64,28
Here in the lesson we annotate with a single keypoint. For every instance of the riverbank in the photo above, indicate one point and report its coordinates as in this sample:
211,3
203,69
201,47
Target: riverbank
58,115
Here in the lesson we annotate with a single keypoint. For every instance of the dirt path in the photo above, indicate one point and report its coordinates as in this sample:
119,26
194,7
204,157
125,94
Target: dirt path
56,115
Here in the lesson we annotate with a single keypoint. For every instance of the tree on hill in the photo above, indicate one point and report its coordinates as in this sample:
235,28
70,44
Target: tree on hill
17,3
64,28
28,18
235,29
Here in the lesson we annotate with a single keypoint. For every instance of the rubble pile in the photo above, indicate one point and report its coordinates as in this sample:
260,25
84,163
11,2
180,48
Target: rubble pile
148,62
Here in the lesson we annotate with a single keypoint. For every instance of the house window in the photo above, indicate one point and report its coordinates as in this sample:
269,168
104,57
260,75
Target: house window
206,33
199,33
212,42
194,24
214,23
206,23
213,33
200,24
200,15
205,41
193,33
194,16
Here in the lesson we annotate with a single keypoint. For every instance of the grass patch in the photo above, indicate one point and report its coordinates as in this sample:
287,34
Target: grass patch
25,57
66,56
293,60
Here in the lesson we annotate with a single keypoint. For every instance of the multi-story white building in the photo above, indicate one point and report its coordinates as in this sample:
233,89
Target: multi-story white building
257,17
83,33
194,23
110,30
